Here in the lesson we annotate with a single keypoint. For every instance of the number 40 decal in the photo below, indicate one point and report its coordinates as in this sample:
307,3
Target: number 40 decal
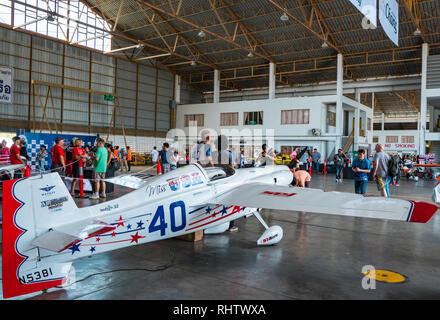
158,222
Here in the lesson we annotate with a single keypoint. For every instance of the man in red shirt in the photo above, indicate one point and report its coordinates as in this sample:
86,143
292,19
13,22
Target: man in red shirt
14,154
15,157
57,155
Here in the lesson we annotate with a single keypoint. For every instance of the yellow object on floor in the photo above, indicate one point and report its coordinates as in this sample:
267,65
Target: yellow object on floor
385,276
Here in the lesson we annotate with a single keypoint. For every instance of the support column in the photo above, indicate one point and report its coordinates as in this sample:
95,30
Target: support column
383,121
372,122
423,107
357,114
216,86
418,121
177,88
271,80
339,110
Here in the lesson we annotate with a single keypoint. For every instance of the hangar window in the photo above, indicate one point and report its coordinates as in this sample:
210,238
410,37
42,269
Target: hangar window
253,118
392,139
369,124
331,118
229,119
68,20
407,139
298,116
194,120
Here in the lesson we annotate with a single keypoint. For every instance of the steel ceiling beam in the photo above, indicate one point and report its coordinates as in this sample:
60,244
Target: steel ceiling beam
219,18
205,29
188,44
412,8
246,32
122,35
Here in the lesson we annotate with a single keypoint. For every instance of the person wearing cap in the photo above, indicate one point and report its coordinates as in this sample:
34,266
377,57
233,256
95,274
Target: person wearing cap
57,155
23,149
78,154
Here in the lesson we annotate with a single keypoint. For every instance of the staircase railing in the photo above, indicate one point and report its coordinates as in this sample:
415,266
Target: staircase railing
349,142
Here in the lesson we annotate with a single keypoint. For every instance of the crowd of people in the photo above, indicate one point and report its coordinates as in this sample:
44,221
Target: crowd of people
385,169
69,160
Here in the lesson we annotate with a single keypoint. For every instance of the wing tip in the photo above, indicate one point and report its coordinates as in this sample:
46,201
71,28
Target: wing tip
422,211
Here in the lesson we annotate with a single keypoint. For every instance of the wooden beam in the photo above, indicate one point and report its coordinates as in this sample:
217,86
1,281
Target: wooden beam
187,43
219,18
89,116
153,24
117,17
56,85
153,57
155,99
406,100
157,9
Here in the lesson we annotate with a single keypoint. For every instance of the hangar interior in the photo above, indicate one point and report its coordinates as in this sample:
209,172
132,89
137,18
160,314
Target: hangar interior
289,73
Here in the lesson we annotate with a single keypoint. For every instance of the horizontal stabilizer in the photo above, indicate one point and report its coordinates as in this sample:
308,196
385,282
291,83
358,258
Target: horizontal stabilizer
65,236
54,240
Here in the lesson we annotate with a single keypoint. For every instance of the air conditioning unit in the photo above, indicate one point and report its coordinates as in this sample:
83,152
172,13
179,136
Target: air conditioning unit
316,132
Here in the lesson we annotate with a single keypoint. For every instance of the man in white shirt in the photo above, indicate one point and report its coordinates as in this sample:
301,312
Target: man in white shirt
154,156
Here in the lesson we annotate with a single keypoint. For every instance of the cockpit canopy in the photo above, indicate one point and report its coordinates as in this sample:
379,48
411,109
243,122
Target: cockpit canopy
219,172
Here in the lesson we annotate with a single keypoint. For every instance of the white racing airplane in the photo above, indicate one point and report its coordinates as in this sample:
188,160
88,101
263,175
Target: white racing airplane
44,230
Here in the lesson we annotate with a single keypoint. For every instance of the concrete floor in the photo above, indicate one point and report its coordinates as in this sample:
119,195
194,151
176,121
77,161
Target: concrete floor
320,257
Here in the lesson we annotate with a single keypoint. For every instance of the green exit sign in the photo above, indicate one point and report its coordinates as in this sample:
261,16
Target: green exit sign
109,97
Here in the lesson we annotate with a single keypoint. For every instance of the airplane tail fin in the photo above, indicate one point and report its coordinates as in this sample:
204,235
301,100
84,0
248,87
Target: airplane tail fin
31,206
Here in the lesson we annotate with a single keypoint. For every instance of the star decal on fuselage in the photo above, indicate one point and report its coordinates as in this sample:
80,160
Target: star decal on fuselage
75,248
120,223
136,237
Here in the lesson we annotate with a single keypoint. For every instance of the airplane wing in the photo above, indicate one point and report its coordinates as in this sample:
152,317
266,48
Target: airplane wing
257,195
60,238
11,167
134,181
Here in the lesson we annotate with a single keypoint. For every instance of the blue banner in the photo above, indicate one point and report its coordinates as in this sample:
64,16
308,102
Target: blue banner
36,140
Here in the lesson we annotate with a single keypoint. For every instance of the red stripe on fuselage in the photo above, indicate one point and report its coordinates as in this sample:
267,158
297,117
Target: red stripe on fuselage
235,210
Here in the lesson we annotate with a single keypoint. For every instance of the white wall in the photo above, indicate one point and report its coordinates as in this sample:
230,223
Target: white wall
294,134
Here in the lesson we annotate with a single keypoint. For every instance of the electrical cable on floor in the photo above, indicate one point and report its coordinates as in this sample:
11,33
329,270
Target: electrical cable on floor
158,268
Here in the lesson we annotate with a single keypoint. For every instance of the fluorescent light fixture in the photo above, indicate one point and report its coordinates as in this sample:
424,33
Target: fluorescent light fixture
193,63
284,17
417,32
324,45
250,55
201,34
